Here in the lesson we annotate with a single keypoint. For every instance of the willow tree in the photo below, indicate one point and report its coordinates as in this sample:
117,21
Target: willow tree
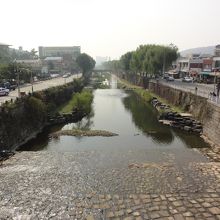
86,64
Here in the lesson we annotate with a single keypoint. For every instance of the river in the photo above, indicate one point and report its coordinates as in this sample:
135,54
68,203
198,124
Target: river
134,121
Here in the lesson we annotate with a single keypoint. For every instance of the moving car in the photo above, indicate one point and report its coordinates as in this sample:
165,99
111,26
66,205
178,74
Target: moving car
187,79
170,78
4,91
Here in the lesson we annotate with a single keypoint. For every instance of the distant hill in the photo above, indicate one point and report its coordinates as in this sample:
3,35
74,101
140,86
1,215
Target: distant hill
199,50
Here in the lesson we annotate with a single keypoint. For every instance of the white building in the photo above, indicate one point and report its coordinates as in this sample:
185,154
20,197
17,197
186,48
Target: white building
73,51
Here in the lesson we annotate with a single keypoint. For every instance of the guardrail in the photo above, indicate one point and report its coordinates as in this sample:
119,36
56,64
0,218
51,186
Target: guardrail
206,94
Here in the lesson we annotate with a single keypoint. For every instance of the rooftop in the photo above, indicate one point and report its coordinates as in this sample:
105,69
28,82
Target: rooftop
2,44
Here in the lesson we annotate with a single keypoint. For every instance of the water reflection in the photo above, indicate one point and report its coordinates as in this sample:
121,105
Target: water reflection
85,124
42,140
145,118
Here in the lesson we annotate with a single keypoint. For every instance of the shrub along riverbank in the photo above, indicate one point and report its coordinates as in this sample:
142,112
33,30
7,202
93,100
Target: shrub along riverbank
146,95
80,102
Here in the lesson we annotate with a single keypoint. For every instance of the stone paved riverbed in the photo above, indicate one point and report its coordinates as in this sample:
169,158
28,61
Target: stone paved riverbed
121,185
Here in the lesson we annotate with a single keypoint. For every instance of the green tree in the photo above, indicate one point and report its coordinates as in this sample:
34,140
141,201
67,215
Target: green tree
146,61
34,54
86,64
11,70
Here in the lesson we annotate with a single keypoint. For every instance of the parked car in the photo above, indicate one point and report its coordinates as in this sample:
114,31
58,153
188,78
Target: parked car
4,91
8,85
170,78
187,79
65,76
165,76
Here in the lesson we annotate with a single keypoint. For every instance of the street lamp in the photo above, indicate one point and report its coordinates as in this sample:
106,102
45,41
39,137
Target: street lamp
215,82
32,86
18,77
19,92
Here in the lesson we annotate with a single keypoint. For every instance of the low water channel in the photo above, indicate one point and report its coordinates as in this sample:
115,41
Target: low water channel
134,121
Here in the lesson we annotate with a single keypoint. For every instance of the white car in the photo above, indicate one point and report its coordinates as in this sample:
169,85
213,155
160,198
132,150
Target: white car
187,79
170,78
4,91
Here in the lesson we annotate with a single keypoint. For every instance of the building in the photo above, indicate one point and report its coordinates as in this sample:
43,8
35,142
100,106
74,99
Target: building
54,64
20,54
73,51
195,66
4,47
216,62
217,51
4,53
182,66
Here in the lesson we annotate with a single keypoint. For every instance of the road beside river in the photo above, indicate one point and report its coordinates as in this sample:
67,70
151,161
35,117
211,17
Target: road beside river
37,86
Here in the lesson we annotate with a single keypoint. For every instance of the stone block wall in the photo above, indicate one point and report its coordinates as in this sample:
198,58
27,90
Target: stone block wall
201,108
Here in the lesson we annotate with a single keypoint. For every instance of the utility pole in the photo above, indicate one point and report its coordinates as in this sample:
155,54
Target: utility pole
215,82
32,87
19,92
164,62
18,77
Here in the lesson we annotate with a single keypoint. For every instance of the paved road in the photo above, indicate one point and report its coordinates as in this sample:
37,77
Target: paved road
203,90
41,85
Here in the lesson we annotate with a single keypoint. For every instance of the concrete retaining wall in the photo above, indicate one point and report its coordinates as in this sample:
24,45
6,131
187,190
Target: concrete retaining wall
201,108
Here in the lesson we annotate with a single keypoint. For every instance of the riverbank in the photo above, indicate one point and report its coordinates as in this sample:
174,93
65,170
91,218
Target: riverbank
201,109
24,118
199,106
145,94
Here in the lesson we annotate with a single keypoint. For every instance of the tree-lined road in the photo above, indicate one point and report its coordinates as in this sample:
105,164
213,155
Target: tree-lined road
41,85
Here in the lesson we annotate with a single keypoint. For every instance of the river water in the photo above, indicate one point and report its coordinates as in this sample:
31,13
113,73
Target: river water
134,121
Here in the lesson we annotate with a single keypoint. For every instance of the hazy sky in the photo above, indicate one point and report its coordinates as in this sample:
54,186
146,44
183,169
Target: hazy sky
109,27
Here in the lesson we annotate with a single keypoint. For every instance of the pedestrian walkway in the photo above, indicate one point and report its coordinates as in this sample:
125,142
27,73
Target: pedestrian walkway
205,91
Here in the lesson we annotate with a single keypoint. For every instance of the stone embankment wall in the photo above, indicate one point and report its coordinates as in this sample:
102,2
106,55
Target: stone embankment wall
19,121
201,108
24,118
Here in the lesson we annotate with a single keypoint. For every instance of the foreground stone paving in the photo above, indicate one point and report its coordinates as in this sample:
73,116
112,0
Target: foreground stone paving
95,185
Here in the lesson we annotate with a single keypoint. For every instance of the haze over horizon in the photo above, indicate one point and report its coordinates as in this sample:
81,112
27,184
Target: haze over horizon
109,28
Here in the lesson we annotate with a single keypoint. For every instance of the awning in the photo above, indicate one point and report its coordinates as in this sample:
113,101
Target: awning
172,73
205,73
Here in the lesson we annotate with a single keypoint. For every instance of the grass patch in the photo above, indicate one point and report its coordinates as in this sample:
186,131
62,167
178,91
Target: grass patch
80,101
